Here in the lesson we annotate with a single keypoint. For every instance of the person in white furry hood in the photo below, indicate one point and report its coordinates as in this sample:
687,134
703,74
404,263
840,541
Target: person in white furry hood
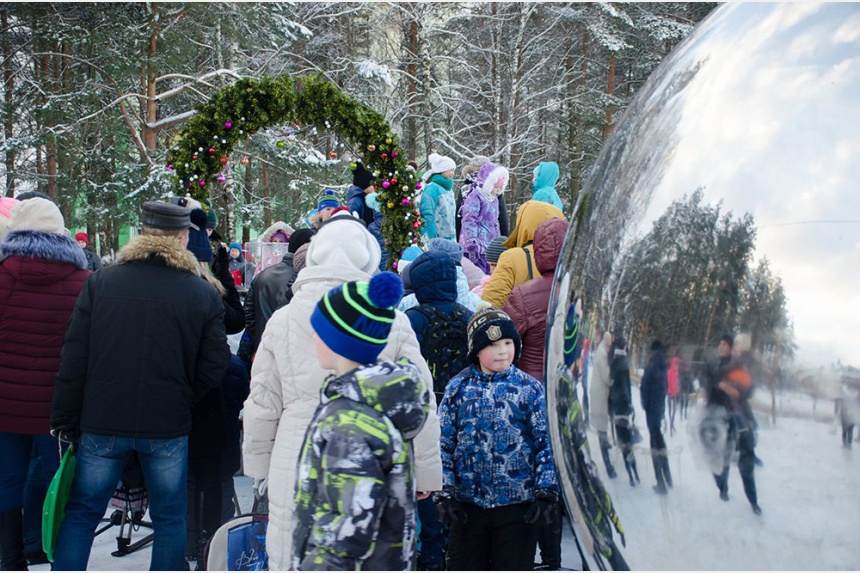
286,379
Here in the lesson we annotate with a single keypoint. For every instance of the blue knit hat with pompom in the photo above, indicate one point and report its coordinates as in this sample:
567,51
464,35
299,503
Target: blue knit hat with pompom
354,319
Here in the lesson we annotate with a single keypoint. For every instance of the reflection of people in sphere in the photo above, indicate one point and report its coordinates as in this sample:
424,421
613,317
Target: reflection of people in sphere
652,392
848,412
733,390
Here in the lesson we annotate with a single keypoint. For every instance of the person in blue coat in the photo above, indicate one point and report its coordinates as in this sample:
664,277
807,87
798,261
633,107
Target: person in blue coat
652,391
499,480
545,178
437,200
362,184
375,227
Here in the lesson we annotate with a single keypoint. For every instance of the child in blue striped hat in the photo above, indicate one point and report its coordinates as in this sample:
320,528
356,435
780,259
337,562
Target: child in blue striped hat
327,203
355,468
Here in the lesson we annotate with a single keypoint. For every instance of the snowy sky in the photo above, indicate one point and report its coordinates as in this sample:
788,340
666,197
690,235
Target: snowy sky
769,125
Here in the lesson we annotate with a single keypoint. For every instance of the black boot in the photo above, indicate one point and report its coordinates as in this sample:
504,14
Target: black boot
667,475
629,472
722,481
610,470
660,488
604,450
630,466
12,541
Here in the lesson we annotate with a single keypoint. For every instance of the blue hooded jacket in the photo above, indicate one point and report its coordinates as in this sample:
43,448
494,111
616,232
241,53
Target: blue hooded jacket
434,281
375,228
546,176
495,441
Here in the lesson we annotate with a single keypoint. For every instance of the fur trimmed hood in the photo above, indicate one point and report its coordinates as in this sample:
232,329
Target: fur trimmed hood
266,236
38,244
171,252
488,176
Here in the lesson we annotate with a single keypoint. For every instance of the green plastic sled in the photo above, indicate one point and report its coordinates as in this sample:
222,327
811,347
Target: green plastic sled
58,495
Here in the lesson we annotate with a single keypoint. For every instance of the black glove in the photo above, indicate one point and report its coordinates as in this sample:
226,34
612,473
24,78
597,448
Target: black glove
67,429
448,509
543,509
221,266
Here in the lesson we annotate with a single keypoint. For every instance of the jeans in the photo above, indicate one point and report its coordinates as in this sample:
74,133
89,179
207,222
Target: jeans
100,461
432,535
34,498
15,454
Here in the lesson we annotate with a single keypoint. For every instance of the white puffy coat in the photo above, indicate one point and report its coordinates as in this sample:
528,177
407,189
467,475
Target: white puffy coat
285,391
600,383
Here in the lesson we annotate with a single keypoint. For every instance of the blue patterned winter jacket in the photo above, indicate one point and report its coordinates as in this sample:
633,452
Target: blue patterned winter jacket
495,439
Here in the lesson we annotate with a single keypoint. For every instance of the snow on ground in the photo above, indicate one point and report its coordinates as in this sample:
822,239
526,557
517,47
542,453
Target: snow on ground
807,488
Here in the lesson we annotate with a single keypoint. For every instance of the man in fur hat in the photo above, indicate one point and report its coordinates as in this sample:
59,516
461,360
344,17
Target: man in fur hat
146,339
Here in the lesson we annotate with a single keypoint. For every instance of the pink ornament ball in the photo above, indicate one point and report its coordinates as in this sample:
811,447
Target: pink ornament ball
386,184
405,201
201,183
227,125
395,155
170,167
419,185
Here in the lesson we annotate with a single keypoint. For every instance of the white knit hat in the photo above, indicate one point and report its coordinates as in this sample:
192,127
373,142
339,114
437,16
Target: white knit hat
344,241
440,163
37,214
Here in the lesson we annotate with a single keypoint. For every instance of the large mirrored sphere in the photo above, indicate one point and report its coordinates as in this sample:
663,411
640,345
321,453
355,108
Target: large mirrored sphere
725,206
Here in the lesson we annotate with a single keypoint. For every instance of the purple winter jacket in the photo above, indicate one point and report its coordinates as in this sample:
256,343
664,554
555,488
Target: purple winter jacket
480,214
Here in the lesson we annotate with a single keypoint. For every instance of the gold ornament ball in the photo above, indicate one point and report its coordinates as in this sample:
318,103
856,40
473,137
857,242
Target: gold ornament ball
371,147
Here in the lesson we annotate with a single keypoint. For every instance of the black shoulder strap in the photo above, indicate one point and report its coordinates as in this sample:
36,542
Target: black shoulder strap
529,262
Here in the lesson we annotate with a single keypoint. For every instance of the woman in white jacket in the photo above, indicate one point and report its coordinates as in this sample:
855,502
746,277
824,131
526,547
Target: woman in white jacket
286,378
599,403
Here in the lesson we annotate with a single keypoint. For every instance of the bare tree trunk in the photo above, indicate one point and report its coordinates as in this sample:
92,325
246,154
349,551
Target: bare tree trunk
151,116
424,82
412,90
575,132
513,128
9,88
610,91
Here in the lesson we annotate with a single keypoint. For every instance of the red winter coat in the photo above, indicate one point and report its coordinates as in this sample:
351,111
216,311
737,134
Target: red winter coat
40,280
528,303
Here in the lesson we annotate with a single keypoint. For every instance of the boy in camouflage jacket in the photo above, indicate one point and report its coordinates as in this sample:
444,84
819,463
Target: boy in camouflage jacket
355,491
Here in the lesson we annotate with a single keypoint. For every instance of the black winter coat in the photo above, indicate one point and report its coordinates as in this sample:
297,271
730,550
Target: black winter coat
234,314
653,390
145,340
271,289
620,400
94,263
236,387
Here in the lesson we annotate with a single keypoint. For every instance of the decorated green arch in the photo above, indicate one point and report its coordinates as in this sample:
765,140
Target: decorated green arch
235,112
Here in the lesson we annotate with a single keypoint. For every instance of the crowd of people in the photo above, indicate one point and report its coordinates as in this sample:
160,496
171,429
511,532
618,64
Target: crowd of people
129,364
415,434
665,386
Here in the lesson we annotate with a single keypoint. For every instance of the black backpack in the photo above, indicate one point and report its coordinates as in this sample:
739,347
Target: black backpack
444,344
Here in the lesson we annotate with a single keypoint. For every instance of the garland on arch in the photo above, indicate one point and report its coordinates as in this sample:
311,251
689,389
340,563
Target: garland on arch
204,145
